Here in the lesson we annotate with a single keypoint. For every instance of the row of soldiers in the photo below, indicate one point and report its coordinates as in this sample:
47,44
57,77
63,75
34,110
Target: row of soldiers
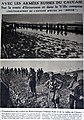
24,72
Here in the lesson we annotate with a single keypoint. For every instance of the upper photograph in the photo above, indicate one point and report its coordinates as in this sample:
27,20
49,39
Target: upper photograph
41,36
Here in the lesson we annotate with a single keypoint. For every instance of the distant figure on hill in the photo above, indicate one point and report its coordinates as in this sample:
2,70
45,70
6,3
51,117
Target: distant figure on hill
39,75
15,71
19,70
26,72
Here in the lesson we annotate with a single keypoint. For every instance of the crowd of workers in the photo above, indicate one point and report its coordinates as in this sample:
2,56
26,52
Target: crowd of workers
53,84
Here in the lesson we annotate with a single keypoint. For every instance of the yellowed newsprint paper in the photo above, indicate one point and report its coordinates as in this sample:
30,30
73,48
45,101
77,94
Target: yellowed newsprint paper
41,60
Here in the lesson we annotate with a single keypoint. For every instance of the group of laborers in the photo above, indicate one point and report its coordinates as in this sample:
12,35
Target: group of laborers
54,85
76,91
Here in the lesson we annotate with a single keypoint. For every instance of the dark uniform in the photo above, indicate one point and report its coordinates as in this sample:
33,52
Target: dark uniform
32,82
71,87
4,93
78,94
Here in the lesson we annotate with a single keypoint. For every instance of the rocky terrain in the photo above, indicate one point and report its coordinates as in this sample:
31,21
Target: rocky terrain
37,45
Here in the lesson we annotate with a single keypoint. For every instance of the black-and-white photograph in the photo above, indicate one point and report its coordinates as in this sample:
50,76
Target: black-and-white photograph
42,84
42,36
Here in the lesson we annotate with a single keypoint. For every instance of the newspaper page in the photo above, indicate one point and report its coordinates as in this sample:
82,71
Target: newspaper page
41,64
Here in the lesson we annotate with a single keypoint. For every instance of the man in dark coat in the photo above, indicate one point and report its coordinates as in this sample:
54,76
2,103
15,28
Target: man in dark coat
71,87
78,94
4,93
32,82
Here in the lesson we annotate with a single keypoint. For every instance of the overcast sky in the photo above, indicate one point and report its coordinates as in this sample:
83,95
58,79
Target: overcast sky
55,66
43,18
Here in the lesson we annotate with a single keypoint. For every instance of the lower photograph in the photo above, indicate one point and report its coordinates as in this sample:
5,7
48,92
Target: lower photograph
42,84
